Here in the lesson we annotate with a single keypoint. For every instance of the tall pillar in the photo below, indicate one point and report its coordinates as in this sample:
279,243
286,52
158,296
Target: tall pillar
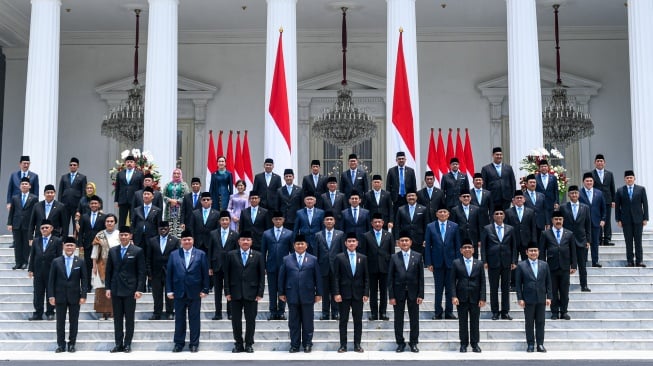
401,14
524,94
640,45
160,136
42,90
281,14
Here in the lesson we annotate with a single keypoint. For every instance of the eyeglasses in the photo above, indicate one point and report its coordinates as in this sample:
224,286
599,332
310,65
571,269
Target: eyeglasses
73,164
206,199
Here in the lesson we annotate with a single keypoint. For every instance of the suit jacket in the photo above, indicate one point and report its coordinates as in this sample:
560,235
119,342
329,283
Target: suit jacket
607,187
124,192
499,254
597,206
261,223
416,226
201,231
309,187
327,255
218,250
156,261
392,181
56,216
384,206
339,204
486,205
268,194
351,286
581,226
559,256
502,187
125,276
244,282
87,232
434,203
156,201
39,260
629,211
468,288
378,254
406,283
452,186
309,230
150,223
13,188
541,218
71,193
551,196
187,282
469,227
361,183
300,285
187,208
360,226
274,250
20,216
439,253
526,229
288,204
530,289
64,289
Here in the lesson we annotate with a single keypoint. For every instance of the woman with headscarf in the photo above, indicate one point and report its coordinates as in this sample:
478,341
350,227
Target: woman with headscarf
104,240
83,206
173,194
238,202
221,187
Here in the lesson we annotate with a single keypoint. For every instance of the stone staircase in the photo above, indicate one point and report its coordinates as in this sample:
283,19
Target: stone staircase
616,315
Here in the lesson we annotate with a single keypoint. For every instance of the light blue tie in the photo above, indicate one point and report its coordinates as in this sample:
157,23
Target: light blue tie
147,210
244,255
574,208
268,177
69,266
443,230
224,237
353,176
378,238
310,216
289,188
500,233
355,215
48,207
333,198
430,191
402,183
128,176
519,213
534,266
24,199
411,208
194,199
630,193
533,197
558,236
498,168
478,196
468,265
162,244
406,260
299,261
329,239
466,208
72,178
277,233
352,262
93,220
45,244
253,215
205,214
187,258
122,252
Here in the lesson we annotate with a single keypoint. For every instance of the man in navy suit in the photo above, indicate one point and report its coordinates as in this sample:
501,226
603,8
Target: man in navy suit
18,219
378,245
15,178
355,218
577,220
266,184
67,287
604,182
187,283
277,243
594,199
223,240
442,247
157,253
412,217
535,201
631,213
332,200
289,199
533,281
90,224
378,200
71,190
400,180
300,285
406,290
191,202
255,219
45,249
330,242
308,221
499,179
354,178
453,184
547,184
128,181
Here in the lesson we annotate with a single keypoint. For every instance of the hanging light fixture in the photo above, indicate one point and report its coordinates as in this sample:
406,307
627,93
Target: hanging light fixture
563,122
344,125
125,123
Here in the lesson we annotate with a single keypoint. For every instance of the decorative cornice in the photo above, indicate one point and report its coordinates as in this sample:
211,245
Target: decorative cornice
14,26
197,91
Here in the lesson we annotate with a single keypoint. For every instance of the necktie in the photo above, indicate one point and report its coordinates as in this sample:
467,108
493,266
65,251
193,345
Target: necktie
24,199
254,210
48,207
299,261
545,180
353,176
162,244
315,179
268,176
498,168
534,266
277,234
128,176
402,184
574,209
430,191
187,257
558,236
378,238
122,252
466,208
289,189
244,256
600,175
412,211
310,216
24,175
194,199
355,214
519,213
329,239
93,220
630,193
69,266
443,230
478,196
72,178
333,198
224,237
406,260
45,244
533,197
205,214
500,233
455,175
377,196
468,264
352,262
147,210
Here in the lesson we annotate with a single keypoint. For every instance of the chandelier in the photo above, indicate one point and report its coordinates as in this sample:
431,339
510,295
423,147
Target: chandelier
344,125
563,122
125,123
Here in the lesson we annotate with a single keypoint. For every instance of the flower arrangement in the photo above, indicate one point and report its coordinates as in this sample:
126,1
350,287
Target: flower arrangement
531,162
144,163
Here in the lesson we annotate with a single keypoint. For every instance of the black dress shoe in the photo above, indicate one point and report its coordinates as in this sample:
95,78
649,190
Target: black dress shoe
401,347
358,348
177,348
24,266
384,317
71,348
437,317
18,267
565,316
293,350
59,350
630,264
117,349
342,349
194,349
373,317
554,317
463,349
170,316
308,349
155,317
281,317
476,348
50,317
217,317
641,265
324,317
506,317
450,316
335,317
586,289
531,348
127,349
597,265
609,243
495,316
413,348
35,317
540,348
272,317
249,349
229,316
238,348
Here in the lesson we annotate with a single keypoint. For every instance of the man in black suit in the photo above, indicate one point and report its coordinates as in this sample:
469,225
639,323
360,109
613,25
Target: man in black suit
499,255
67,287
453,184
244,284
48,209
128,181
414,218
400,180
45,249
15,178
314,184
254,219
205,220
431,196
20,212
378,245
351,288
277,243
406,289
90,224
332,200
124,283
191,202
468,284
157,254
354,178
535,201
499,179
289,199
547,184
71,190
468,218
533,281
157,199
267,183
559,250
577,220
604,181
594,199
522,219
187,283
300,285
377,200
631,213
330,242
482,198
223,240
145,219
355,218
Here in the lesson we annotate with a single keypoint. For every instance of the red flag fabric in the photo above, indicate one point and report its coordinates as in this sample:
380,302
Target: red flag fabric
279,96
239,168
220,149
443,165
212,159
247,162
460,153
402,111
469,157
450,153
230,153
431,159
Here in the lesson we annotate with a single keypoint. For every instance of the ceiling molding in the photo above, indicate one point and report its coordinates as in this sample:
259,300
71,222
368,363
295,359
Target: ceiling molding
323,81
14,26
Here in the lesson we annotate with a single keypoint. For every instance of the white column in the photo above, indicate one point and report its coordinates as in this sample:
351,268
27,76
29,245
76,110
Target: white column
640,42
524,94
281,14
42,91
401,14
160,137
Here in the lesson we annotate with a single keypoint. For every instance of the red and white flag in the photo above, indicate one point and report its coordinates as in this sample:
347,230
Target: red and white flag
247,163
469,157
277,126
450,152
239,168
211,160
230,153
460,152
220,151
431,159
443,164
